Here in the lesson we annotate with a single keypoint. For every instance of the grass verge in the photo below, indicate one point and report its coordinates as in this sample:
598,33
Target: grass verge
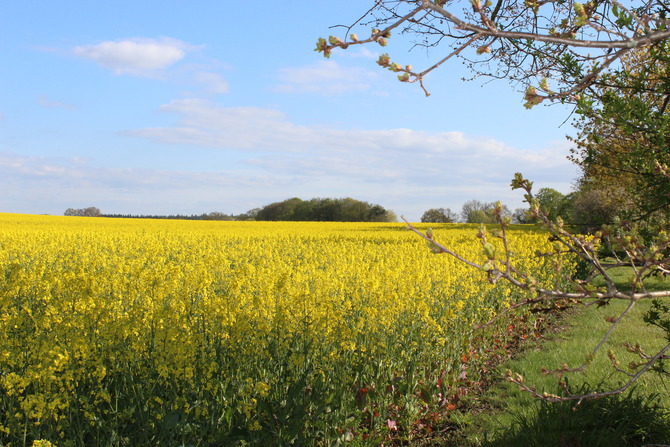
506,416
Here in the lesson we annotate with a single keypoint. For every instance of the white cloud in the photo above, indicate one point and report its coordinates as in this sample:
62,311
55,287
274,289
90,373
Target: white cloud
139,56
152,58
212,82
459,166
325,77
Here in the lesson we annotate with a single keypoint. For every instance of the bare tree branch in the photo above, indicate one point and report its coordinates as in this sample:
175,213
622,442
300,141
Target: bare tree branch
503,268
515,34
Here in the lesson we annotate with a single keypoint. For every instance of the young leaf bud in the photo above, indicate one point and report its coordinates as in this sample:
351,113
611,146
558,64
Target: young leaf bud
484,49
384,60
322,45
334,40
517,181
544,85
531,97
434,247
532,4
489,250
395,67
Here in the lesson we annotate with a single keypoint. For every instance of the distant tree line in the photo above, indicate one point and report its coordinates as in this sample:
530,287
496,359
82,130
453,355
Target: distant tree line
587,208
215,215
205,216
294,209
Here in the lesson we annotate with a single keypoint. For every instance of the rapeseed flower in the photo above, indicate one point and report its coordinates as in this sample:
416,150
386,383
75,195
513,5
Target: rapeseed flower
127,326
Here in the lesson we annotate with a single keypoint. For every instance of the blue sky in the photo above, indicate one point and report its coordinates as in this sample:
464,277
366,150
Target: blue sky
175,107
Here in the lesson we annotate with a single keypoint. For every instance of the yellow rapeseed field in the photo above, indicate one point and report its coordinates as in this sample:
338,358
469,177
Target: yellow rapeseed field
157,332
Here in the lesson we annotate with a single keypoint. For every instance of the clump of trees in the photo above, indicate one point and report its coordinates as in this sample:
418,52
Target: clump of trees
439,215
91,211
612,62
475,211
325,210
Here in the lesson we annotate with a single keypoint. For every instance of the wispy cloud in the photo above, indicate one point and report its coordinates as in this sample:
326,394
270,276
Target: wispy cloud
60,183
139,56
325,77
49,103
202,123
157,58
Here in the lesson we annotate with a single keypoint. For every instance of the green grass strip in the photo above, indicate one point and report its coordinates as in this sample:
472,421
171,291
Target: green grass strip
638,417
